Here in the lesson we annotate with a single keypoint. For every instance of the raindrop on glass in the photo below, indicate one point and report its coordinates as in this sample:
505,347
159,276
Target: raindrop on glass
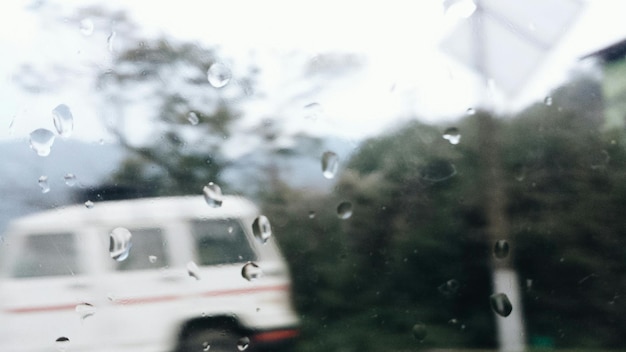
459,9
85,310
219,75
548,101
519,173
11,126
152,259
192,117
437,171
251,271
243,343
452,135
70,180
43,183
212,195
119,243
471,111
110,40
501,249
193,270
419,332
262,229
330,164
89,204
41,141
344,210
500,304
312,111
63,120
86,27
205,345
449,288
62,343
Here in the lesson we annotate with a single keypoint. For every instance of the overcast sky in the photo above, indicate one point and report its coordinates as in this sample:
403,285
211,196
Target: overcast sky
401,71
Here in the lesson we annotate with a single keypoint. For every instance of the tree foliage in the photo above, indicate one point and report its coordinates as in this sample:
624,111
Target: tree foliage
165,82
416,248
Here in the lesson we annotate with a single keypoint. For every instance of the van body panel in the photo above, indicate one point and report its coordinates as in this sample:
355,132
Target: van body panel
185,264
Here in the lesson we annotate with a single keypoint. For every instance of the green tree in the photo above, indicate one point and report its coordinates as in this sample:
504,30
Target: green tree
166,83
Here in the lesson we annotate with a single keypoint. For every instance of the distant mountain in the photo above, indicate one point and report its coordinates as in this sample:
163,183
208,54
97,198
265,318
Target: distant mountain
299,165
21,168
92,164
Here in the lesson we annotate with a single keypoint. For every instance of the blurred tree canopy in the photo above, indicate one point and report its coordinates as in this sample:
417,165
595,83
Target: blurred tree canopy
416,251
190,119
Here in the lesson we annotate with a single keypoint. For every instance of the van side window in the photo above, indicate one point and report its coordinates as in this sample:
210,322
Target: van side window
47,255
147,251
221,242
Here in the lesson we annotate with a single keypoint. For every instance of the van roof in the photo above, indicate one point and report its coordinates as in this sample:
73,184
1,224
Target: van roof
126,211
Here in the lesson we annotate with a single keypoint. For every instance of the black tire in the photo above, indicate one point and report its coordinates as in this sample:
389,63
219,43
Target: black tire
218,340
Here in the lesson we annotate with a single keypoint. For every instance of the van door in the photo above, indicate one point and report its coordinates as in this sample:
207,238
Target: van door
145,290
46,278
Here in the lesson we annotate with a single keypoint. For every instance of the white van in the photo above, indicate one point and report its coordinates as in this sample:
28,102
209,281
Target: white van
195,279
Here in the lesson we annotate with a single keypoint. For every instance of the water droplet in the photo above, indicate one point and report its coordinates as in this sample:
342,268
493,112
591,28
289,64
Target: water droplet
243,343
311,214
119,243
193,270
110,40
262,229
452,135
63,120
85,310
548,101
459,9
344,210
419,332
212,195
41,141
437,171
205,345
471,111
600,160
251,271
62,343
519,173
501,249
330,164
193,119
43,183
449,288
219,75
86,27
152,259
500,304
89,204
313,111
12,126
70,180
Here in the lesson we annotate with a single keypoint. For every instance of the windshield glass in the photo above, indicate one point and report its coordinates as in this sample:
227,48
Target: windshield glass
444,174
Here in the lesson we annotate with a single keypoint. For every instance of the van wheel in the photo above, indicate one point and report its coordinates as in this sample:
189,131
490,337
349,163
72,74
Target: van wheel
211,340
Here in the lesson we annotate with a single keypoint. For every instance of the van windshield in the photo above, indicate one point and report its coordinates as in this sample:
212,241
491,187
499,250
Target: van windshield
221,242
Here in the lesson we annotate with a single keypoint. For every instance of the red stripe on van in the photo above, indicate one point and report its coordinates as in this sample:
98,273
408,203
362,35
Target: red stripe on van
271,336
240,291
142,300
41,309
